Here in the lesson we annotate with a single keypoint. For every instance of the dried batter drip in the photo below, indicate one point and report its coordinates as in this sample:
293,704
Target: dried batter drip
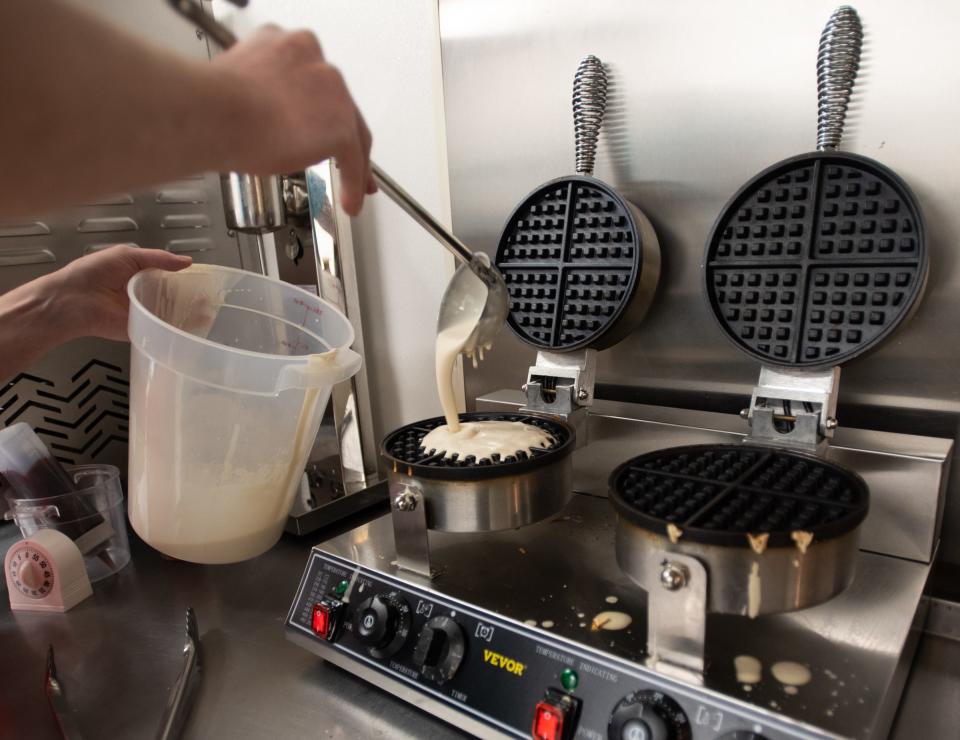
803,540
610,621
758,542
674,533
791,674
483,439
748,669
754,591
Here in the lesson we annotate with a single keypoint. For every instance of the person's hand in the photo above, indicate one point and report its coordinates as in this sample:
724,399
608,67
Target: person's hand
92,291
88,297
294,111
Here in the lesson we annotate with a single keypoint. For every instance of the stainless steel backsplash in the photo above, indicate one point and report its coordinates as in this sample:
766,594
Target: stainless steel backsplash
703,96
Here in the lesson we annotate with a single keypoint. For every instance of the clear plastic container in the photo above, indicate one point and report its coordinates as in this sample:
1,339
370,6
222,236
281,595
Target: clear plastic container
230,374
91,515
27,465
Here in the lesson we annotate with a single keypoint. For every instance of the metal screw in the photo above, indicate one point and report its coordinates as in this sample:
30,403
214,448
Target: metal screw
744,413
199,33
673,577
405,502
582,395
830,423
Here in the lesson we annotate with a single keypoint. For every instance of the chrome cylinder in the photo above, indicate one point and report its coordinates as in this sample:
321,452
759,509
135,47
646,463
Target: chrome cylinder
252,204
487,505
784,578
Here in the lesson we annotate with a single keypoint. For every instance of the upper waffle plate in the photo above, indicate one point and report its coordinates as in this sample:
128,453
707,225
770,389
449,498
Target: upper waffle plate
816,260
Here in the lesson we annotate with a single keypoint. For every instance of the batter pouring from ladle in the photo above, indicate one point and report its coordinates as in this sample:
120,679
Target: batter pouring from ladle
480,439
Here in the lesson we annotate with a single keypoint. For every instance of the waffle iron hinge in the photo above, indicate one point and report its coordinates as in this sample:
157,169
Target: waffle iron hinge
561,385
793,408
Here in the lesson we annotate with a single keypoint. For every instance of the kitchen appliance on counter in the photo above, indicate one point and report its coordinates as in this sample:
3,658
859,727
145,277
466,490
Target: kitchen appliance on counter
506,631
600,623
814,261
542,254
503,631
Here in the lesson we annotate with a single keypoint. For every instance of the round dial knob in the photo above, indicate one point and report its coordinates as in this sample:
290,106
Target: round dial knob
439,650
648,715
382,623
30,572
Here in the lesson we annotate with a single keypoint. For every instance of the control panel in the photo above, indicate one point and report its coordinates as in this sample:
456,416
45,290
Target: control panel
500,677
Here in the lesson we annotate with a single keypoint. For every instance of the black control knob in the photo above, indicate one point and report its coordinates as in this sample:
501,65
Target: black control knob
648,715
439,650
382,623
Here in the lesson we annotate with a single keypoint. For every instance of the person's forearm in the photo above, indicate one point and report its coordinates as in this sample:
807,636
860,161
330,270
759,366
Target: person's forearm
91,109
31,324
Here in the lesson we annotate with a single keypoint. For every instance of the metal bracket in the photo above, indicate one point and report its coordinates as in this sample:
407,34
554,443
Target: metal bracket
793,408
562,385
337,283
410,533
296,197
677,616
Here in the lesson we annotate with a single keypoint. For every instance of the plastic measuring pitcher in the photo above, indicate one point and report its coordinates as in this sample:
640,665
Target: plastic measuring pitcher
230,373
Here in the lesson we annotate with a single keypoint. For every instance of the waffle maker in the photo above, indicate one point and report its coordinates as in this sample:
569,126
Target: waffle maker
581,266
429,491
492,629
813,262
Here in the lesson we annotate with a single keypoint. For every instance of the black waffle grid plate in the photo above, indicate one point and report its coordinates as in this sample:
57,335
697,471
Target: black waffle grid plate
717,494
816,260
571,255
403,449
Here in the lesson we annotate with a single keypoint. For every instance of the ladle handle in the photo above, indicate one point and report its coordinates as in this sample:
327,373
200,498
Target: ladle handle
191,10
421,215
838,60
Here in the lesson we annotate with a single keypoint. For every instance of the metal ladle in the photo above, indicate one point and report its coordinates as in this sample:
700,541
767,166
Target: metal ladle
476,289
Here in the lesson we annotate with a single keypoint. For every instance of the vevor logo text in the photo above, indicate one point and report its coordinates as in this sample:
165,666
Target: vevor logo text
502,661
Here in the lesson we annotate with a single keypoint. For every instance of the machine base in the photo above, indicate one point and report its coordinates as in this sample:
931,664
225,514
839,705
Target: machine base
528,597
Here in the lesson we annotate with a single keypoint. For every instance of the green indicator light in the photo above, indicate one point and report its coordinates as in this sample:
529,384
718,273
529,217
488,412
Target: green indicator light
341,588
569,679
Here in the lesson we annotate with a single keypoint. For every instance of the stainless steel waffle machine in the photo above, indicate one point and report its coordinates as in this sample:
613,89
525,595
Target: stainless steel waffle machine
775,534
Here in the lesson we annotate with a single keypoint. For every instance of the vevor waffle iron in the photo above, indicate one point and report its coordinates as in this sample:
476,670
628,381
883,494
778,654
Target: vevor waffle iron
430,491
814,261
498,638
773,529
581,266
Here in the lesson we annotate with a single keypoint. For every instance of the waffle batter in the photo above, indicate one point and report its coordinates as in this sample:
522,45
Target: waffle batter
480,439
486,438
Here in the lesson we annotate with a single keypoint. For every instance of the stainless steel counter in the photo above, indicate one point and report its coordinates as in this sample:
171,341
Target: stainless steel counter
119,651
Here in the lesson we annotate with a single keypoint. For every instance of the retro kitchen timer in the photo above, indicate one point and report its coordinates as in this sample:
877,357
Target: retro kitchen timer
45,573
